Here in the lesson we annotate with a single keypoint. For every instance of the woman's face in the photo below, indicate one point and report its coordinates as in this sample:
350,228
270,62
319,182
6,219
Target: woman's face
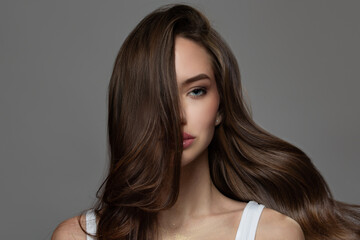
198,96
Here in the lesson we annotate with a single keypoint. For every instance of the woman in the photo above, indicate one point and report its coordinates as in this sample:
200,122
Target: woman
187,160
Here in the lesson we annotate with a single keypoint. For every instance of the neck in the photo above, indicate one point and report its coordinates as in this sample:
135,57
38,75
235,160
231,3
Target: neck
197,194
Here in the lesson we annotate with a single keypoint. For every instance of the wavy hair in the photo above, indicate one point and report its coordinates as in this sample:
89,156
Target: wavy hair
246,162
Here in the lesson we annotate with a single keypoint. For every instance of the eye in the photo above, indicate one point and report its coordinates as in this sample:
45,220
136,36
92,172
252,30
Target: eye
198,92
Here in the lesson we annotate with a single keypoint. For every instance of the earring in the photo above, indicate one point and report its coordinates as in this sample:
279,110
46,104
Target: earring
217,121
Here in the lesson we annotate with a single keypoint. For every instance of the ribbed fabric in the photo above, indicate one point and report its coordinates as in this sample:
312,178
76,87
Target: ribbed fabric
246,231
90,224
249,221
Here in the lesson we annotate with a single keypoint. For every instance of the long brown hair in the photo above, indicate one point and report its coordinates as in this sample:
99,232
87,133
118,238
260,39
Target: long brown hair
246,162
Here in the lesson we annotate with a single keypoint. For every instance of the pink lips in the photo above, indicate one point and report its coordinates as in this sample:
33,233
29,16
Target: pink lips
187,140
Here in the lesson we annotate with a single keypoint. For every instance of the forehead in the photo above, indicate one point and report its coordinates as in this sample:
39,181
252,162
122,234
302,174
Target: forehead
191,59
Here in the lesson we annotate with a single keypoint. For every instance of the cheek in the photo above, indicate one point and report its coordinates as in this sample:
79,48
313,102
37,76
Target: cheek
203,114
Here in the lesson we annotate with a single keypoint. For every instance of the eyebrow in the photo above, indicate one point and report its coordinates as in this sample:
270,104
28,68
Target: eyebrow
195,78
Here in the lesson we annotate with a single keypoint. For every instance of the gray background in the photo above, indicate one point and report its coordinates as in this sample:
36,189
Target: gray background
300,67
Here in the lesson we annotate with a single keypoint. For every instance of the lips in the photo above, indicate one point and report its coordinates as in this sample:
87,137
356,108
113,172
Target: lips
187,136
187,140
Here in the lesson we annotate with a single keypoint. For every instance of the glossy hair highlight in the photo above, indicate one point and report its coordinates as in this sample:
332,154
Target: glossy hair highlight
246,162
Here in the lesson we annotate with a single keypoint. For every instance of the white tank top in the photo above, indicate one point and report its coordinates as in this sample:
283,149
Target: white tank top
246,231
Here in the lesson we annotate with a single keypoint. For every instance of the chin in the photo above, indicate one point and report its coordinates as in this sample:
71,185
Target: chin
189,157
185,160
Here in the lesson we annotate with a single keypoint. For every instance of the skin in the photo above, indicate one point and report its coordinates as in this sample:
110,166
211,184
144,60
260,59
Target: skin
201,211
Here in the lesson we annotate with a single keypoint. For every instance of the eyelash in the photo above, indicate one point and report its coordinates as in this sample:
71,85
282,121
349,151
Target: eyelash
203,90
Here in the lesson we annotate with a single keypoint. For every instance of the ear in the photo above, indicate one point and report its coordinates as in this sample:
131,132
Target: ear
218,119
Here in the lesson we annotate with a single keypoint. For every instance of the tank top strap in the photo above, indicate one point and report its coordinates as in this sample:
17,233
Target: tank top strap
90,224
249,221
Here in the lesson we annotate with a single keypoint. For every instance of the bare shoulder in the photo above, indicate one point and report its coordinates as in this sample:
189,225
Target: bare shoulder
274,225
70,230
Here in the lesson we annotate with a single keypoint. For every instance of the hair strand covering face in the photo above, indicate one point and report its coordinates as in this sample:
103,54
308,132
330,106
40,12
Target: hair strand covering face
246,162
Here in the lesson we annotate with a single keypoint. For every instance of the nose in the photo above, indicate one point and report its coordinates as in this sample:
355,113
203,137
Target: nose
182,116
